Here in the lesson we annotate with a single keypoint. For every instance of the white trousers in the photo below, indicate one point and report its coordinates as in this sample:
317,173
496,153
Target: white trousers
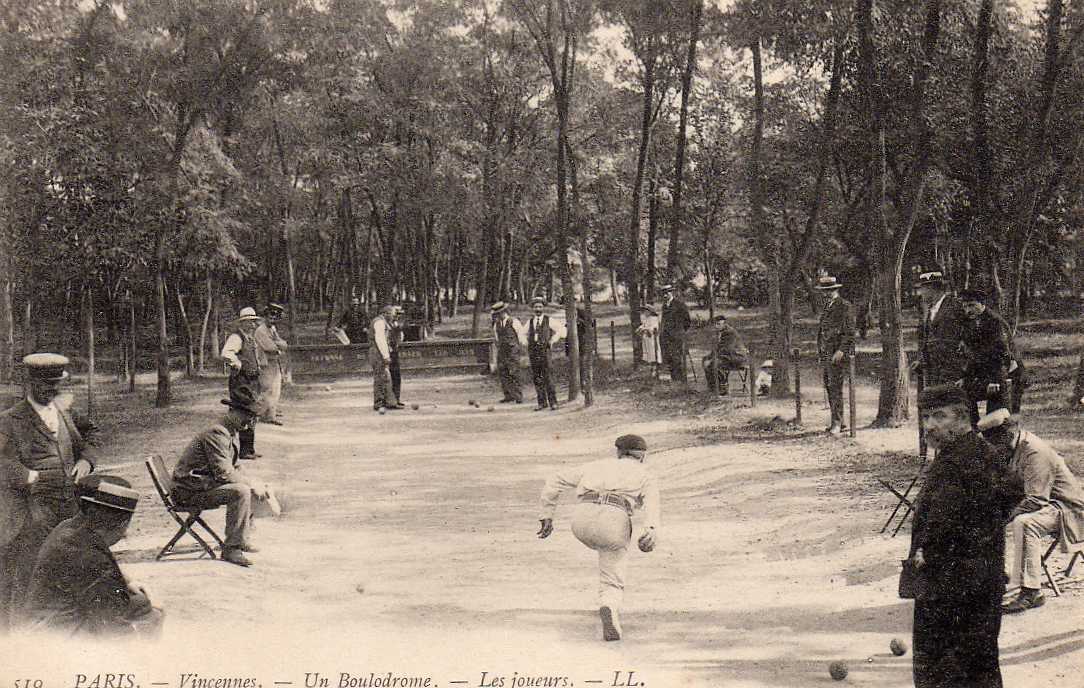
1025,544
607,530
271,385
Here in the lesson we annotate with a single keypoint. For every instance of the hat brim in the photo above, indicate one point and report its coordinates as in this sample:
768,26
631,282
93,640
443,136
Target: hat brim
832,287
247,408
40,378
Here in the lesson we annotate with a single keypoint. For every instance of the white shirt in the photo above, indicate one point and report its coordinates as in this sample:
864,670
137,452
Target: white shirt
48,413
624,477
520,330
380,337
231,348
557,328
937,306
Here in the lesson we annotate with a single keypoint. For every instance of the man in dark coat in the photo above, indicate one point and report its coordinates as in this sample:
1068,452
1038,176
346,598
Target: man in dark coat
542,334
941,353
355,323
208,476
77,587
510,337
730,353
990,355
45,451
675,323
958,548
835,341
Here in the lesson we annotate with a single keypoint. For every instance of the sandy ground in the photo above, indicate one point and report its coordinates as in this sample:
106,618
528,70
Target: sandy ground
408,545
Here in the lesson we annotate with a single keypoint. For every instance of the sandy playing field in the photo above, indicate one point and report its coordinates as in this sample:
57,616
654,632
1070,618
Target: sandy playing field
408,546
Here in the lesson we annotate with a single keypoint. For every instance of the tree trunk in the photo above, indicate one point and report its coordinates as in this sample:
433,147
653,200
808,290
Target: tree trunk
631,259
587,356
208,301
88,334
673,259
133,351
981,171
652,234
770,242
7,323
186,337
164,395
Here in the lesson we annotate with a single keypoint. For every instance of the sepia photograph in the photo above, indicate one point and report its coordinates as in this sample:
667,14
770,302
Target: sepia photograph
541,343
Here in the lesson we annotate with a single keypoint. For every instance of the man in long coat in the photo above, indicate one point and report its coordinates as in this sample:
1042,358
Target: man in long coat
941,352
274,348
45,451
991,357
675,323
835,341
957,549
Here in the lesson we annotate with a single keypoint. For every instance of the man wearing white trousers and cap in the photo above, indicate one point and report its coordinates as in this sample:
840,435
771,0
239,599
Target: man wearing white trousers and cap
609,491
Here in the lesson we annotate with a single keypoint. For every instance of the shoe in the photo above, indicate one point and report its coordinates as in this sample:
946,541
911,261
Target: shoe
377,408
236,556
553,408
273,421
611,625
249,548
519,401
396,407
539,408
1023,602
250,456
505,401
834,430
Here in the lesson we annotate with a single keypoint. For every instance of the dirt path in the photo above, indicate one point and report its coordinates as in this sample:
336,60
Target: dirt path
408,546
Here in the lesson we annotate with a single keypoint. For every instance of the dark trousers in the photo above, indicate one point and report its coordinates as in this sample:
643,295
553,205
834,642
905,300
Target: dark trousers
383,394
673,355
236,497
18,557
396,376
725,366
540,374
245,387
955,642
508,373
833,384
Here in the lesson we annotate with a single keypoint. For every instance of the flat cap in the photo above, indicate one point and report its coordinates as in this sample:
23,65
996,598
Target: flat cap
109,491
976,295
630,443
498,307
46,366
940,396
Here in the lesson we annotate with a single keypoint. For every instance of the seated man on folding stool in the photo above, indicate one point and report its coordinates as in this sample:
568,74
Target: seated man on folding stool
609,490
1053,505
207,476
729,353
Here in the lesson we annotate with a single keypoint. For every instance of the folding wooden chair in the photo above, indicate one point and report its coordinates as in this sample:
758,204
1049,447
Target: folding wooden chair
1068,569
186,518
903,500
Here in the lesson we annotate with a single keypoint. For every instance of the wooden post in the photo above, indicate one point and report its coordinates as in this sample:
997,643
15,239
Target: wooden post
794,357
751,377
613,343
594,331
850,394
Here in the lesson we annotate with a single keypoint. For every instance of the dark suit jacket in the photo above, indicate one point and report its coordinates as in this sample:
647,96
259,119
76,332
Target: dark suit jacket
730,348
25,442
943,361
209,461
675,320
987,352
836,330
960,517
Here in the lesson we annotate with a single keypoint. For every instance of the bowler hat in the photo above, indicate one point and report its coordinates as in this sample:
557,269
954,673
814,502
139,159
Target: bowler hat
253,407
631,443
976,295
940,396
827,283
109,491
46,367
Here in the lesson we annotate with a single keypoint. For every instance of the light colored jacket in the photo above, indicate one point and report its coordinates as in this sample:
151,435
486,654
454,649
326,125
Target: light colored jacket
625,477
1048,480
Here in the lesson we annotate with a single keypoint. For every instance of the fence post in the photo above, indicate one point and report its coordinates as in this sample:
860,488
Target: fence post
850,394
594,333
613,344
752,380
795,358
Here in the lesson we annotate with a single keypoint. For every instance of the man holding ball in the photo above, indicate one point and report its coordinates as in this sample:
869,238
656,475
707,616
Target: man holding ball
609,492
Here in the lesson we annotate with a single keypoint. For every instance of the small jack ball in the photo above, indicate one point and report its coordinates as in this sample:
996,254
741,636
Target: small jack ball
490,409
898,647
415,407
471,402
837,670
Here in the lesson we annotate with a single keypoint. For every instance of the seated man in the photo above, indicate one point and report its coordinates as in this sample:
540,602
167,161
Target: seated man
730,353
1053,505
207,476
76,586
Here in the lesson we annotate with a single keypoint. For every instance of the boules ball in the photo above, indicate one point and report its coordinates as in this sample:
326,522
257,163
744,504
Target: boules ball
327,388
471,402
360,587
382,411
837,670
415,407
490,409
898,647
